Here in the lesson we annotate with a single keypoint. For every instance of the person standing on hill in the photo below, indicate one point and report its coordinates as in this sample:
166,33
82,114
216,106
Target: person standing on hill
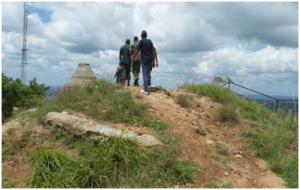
151,66
147,53
119,74
137,61
125,61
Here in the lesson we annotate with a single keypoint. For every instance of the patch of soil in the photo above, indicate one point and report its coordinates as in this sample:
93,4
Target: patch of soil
245,172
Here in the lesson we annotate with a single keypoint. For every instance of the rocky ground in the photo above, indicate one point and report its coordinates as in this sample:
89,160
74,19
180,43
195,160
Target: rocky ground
240,168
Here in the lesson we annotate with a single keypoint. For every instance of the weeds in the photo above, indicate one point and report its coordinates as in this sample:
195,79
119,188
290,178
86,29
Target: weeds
12,144
201,131
111,162
228,113
158,125
184,100
97,96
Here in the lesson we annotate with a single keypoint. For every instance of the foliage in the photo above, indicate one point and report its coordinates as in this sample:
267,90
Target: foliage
12,144
184,100
100,99
112,162
228,113
158,125
15,93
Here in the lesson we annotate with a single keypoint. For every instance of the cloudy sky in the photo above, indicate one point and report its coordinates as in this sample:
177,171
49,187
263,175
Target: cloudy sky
253,43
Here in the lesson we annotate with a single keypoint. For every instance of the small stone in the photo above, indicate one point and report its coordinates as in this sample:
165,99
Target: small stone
10,162
187,115
238,156
139,132
104,111
152,106
225,174
248,178
254,181
199,170
221,179
81,165
262,174
240,152
64,112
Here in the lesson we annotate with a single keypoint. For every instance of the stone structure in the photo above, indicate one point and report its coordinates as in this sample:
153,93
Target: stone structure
94,130
83,75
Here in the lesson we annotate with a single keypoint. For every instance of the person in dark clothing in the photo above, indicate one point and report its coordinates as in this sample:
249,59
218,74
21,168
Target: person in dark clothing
119,74
125,61
147,53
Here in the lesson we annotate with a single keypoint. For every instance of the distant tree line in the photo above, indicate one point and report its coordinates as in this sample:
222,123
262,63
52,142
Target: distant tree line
17,94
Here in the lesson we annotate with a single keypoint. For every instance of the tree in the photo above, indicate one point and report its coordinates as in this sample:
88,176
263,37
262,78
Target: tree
15,93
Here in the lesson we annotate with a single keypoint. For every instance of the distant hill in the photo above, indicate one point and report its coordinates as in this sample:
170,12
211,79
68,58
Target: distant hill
270,103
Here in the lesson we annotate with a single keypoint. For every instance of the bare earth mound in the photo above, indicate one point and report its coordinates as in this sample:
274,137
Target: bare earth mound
240,168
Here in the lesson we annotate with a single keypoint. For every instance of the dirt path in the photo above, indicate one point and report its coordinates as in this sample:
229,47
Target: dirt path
245,172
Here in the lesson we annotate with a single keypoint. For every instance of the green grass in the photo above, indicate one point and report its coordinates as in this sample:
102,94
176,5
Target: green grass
11,144
9,184
228,113
112,163
101,100
280,129
201,131
184,100
158,125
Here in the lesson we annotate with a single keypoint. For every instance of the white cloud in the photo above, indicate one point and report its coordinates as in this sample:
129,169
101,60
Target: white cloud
203,36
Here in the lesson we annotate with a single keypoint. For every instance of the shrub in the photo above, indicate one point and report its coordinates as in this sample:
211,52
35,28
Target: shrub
228,113
184,100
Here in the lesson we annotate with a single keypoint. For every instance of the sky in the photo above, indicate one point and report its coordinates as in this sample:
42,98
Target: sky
253,43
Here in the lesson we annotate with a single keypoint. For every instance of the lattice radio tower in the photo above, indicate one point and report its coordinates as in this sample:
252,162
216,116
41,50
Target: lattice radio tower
24,49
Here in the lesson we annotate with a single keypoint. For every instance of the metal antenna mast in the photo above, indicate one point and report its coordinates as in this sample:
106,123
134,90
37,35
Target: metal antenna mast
24,49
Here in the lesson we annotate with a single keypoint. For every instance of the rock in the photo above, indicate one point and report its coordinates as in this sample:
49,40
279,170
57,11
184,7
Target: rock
16,109
262,174
9,163
64,112
75,124
225,174
32,110
139,132
238,156
254,181
209,141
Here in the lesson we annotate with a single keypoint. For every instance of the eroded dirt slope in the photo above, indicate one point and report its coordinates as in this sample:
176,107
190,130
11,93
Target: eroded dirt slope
240,168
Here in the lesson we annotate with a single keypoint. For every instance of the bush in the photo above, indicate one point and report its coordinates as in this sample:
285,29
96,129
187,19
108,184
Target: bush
184,100
228,113
17,94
